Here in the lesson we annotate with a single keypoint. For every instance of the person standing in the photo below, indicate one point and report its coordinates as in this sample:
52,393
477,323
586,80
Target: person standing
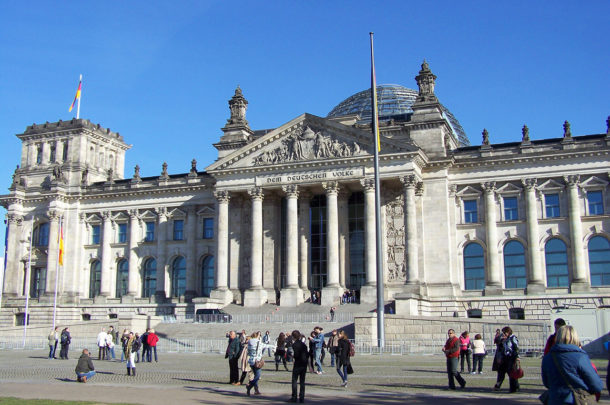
136,347
343,357
124,339
152,345
452,352
280,351
101,344
332,314
318,341
255,355
233,353
332,344
65,343
465,350
53,337
130,354
509,353
242,363
145,347
84,368
567,368
559,322
299,369
110,355
479,353
267,340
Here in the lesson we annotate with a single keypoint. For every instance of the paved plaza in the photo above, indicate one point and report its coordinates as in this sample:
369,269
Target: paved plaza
180,378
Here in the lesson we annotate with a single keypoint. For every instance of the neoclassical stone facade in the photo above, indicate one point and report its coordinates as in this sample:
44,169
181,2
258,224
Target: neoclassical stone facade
496,230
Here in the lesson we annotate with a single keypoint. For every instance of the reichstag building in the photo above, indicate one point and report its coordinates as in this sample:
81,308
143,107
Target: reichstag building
507,230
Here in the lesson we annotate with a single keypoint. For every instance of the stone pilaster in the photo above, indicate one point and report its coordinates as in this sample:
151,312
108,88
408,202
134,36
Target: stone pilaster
534,282
292,295
579,277
256,295
222,291
105,283
133,278
331,293
11,273
161,294
493,283
410,186
304,239
191,250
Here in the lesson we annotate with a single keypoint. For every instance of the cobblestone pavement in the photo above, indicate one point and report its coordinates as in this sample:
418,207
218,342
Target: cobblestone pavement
180,378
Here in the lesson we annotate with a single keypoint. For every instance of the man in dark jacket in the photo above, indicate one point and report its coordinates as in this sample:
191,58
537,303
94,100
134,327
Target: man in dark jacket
299,370
233,353
84,368
145,347
452,352
65,343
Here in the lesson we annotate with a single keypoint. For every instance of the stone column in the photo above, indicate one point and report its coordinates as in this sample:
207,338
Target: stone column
292,295
579,277
133,280
256,295
410,184
222,292
191,253
304,239
11,273
534,283
161,293
105,282
493,283
331,293
368,293
344,259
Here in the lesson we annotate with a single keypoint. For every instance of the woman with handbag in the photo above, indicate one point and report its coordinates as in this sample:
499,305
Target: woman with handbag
344,366
509,353
255,360
567,372
465,351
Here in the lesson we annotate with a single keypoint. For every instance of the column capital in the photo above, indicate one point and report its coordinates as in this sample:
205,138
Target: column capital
82,217
529,184
409,181
106,215
133,214
489,187
368,183
292,191
53,215
161,212
222,196
331,187
14,218
256,193
572,180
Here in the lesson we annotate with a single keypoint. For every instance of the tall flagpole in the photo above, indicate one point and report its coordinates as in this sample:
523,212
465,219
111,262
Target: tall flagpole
379,248
59,235
4,256
28,271
80,81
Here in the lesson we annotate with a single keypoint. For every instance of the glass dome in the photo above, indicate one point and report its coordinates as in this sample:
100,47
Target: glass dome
394,102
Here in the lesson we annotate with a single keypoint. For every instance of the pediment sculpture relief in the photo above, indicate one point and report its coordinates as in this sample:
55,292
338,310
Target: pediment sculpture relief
308,145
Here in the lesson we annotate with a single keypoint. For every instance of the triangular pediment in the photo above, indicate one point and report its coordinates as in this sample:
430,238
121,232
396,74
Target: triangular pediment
120,216
148,214
206,211
176,213
509,188
551,185
468,191
594,182
306,138
93,218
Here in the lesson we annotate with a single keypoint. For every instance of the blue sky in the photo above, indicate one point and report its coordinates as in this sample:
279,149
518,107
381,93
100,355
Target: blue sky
161,73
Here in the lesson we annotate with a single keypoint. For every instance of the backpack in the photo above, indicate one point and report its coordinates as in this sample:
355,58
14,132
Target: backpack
135,346
64,339
352,349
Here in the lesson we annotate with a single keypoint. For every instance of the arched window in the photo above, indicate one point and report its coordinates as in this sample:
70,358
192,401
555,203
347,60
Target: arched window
95,279
599,260
556,258
474,267
122,278
178,277
207,276
150,278
515,274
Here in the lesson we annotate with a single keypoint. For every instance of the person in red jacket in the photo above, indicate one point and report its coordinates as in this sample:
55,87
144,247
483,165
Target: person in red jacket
559,322
452,352
152,344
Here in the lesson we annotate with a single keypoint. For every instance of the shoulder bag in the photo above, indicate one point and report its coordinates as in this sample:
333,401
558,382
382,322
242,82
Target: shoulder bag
259,363
581,396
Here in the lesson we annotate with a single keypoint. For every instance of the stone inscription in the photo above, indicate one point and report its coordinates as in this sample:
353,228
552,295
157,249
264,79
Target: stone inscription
309,177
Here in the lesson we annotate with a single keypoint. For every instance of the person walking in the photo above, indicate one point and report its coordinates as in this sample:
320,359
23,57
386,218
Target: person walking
465,351
509,353
267,340
64,341
299,369
53,337
84,368
130,354
567,370
101,344
332,314
233,352
152,345
242,363
255,355
343,357
280,351
452,352
332,344
479,353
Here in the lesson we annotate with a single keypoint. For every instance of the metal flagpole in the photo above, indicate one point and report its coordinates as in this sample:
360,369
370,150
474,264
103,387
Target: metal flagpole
379,249
3,269
80,84
27,285
61,220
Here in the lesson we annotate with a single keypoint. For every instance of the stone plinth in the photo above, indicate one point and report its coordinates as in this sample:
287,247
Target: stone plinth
255,297
291,297
223,296
331,296
368,294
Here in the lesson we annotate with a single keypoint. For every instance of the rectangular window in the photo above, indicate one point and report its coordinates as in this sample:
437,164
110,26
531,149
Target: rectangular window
178,229
208,228
39,154
122,233
511,211
95,234
64,155
39,282
470,211
52,153
551,204
596,202
150,232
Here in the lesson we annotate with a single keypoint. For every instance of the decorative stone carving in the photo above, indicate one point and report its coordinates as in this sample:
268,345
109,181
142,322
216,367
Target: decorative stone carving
567,132
489,186
485,137
84,178
14,219
193,172
222,195
529,183
308,145
291,190
525,131
409,181
331,187
572,180
133,214
395,239
110,176
238,105
164,175
57,174
256,193
368,183
425,81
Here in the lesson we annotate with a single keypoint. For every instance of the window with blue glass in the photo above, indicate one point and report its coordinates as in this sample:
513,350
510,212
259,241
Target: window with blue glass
470,211
556,259
178,277
178,229
41,235
122,278
95,234
596,202
551,205
599,261
511,210
122,233
515,273
474,267
208,228
207,276
39,282
95,279
357,244
150,232
150,278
